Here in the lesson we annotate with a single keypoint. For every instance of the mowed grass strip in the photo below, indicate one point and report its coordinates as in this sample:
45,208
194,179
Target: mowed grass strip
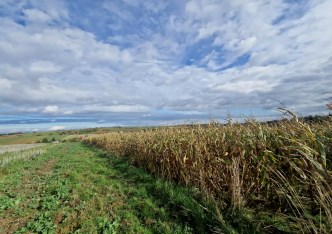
76,189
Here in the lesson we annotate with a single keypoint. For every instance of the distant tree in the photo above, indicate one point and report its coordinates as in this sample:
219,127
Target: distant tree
53,139
45,140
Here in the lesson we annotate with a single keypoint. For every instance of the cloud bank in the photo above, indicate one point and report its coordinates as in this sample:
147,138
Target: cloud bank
146,62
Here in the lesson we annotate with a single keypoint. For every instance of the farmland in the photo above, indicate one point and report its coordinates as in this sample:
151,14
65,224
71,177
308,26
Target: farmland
15,152
71,188
222,178
261,178
30,138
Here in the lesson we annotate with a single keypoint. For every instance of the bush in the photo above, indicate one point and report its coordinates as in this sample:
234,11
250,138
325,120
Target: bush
45,140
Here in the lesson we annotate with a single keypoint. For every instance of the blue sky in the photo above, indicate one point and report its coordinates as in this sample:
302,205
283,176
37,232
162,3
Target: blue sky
126,62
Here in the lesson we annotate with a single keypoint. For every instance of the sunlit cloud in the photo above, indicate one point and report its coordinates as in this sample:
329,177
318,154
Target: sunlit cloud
51,109
56,128
138,63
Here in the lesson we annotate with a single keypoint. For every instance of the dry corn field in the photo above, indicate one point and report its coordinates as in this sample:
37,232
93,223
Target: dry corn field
276,175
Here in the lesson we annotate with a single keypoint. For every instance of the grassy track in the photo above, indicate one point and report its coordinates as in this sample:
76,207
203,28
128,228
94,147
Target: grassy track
75,189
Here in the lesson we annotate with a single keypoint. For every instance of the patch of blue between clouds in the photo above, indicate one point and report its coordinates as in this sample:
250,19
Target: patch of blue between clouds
296,9
242,60
119,20
197,52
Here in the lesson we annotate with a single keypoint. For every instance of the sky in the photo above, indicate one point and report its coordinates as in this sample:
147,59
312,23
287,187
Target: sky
82,63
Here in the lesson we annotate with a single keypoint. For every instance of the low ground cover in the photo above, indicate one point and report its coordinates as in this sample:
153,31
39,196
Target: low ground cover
73,188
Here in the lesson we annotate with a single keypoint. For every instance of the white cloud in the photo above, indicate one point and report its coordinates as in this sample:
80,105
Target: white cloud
44,67
117,108
56,128
69,112
51,109
5,84
175,61
34,15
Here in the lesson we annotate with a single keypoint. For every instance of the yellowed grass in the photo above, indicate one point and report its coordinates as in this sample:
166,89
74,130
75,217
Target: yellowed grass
282,169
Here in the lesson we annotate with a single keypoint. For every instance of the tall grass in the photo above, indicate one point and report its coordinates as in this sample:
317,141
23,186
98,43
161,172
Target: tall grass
276,175
10,153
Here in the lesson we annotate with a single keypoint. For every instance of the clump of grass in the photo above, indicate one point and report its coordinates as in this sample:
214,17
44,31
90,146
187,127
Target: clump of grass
280,170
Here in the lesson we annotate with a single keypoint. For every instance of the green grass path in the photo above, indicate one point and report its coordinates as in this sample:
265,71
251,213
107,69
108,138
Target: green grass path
76,189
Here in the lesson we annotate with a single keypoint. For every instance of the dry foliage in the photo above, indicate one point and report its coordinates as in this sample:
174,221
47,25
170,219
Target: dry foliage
10,153
281,170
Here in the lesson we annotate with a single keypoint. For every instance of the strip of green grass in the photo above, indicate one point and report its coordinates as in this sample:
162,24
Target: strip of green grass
76,189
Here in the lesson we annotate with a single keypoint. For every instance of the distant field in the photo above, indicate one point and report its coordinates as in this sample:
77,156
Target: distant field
10,153
29,138
16,148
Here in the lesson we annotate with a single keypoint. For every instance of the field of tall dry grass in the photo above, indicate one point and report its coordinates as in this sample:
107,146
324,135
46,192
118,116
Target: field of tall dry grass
278,176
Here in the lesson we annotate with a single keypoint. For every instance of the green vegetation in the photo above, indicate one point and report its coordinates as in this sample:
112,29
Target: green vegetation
76,189
254,177
263,178
29,138
45,137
